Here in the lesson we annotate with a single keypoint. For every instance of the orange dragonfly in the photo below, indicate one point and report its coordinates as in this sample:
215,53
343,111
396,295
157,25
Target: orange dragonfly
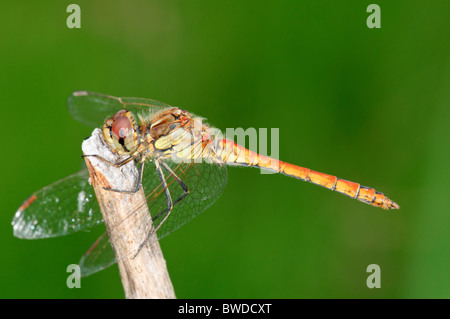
187,172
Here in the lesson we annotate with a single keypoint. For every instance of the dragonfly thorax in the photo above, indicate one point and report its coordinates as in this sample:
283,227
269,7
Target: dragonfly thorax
167,121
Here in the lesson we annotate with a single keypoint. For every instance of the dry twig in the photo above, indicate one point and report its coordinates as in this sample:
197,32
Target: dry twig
146,275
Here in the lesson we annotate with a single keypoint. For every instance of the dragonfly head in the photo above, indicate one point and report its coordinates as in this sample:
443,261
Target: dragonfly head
120,133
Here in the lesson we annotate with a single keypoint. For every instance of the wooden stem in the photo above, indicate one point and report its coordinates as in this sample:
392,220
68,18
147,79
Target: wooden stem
128,223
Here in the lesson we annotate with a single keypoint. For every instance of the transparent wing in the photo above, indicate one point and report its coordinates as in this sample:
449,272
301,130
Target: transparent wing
206,182
62,208
98,257
93,108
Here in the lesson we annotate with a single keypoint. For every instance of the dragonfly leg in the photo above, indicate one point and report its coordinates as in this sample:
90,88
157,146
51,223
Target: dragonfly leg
180,182
169,205
119,164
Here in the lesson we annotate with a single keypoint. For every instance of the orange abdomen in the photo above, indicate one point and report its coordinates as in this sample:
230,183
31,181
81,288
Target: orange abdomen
234,154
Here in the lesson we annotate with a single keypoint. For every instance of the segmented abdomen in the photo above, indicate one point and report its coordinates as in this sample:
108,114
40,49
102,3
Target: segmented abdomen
233,154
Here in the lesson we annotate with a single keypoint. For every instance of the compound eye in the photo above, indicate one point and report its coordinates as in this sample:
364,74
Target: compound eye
121,127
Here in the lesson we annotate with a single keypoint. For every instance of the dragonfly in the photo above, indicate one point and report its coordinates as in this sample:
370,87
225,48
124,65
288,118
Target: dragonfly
185,172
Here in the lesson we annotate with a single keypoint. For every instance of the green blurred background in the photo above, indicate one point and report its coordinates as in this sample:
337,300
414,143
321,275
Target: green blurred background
367,105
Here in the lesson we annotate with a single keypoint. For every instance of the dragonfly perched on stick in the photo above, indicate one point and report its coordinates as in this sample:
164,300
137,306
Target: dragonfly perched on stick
185,163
